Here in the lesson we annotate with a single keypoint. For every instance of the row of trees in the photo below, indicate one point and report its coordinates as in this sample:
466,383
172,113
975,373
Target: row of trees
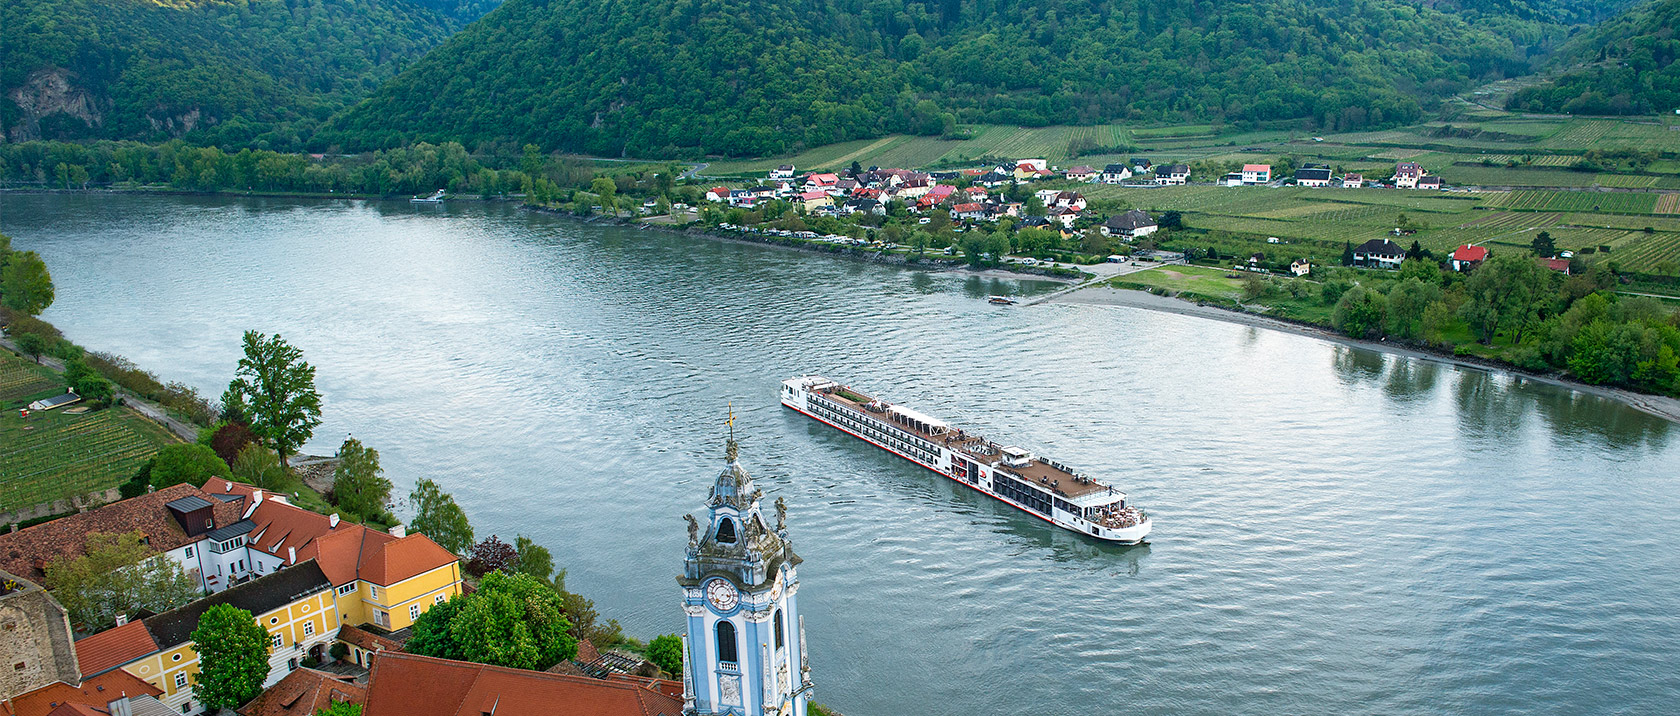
1526,313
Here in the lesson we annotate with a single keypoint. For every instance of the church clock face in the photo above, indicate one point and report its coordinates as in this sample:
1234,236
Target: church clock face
722,595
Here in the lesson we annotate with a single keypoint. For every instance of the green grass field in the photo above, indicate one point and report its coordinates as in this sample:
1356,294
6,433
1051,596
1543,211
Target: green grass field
55,454
1189,280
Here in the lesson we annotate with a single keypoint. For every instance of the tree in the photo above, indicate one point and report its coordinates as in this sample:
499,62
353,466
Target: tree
32,345
437,516
535,560
606,190
431,635
1543,245
1406,304
666,652
1172,220
358,485
230,439
275,388
513,620
187,463
586,622
117,574
492,555
340,708
1503,293
258,465
25,284
1360,313
95,389
1347,253
232,657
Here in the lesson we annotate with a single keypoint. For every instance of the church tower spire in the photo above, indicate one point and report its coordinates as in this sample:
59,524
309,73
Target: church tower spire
745,644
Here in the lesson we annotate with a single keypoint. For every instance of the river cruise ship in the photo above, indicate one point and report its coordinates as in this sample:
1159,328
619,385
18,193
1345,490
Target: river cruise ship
1041,487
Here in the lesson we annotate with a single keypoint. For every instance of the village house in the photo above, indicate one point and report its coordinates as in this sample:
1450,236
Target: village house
975,193
1131,225
1063,216
1429,181
813,199
295,606
820,182
115,692
720,193
1114,174
1140,165
1312,175
1353,181
1231,179
1407,174
783,172
1467,257
1172,174
1560,265
936,195
1379,253
1257,174
970,211
1300,267
1080,173
1068,200
1031,169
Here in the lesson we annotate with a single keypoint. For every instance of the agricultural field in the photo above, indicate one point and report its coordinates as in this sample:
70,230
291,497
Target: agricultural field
21,381
1580,201
56,454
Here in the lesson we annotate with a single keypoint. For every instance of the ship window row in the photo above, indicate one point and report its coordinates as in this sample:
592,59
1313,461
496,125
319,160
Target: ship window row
1021,493
895,430
892,438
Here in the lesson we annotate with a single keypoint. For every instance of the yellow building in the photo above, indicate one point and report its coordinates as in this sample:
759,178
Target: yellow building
295,605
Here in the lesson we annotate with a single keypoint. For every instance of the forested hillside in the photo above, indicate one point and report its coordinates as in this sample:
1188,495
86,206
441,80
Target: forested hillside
211,70
1633,70
754,77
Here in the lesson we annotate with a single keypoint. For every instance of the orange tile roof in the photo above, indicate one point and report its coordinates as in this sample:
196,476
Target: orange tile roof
367,640
390,562
345,552
412,685
97,691
112,648
27,552
302,693
78,710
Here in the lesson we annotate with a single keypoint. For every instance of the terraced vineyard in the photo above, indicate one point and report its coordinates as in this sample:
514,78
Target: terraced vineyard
21,381
1650,253
56,455
1612,202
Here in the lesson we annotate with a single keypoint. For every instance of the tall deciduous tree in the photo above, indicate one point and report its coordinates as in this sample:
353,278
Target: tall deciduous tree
118,575
25,284
275,390
512,620
665,651
492,555
258,465
358,485
185,463
437,516
232,657
534,559
32,345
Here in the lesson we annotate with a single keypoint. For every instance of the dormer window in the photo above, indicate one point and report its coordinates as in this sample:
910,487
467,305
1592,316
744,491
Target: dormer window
726,531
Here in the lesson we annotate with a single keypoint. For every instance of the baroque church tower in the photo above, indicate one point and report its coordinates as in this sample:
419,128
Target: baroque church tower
744,653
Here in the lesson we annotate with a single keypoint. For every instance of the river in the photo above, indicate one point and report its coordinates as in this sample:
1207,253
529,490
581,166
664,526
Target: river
1337,531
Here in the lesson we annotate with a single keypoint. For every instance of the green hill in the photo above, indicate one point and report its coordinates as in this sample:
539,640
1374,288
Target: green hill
210,70
1632,72
755,77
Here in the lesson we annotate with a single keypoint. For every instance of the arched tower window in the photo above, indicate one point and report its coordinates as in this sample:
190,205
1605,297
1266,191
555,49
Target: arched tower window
726,646
778,628
726,531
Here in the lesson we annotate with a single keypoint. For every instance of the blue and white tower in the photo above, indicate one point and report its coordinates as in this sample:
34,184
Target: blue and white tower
744,653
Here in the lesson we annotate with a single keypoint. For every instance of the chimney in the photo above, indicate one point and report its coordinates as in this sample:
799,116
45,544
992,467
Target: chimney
291,555
122,619
332,521
119,707
397,530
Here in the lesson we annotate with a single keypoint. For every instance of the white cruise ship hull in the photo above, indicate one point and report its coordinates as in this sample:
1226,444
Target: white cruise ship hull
959,467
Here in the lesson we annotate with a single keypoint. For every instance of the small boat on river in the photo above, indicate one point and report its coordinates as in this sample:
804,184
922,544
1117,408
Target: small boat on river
1001,300
436,198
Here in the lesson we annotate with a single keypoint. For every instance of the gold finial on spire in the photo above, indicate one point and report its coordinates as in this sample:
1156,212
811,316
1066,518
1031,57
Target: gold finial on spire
731,448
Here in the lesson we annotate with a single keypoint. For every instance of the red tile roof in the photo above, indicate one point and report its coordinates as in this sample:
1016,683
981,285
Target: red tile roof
370,641
112,648
97,691
1257,167
412,685
1557,264
78,710
345,552
391,562
302,693
1470,253
27,552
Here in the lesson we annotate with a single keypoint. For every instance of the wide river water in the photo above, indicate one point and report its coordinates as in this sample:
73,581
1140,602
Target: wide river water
1337,531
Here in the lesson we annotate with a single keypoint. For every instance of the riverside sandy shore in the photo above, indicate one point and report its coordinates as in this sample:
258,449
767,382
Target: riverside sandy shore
1108,296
